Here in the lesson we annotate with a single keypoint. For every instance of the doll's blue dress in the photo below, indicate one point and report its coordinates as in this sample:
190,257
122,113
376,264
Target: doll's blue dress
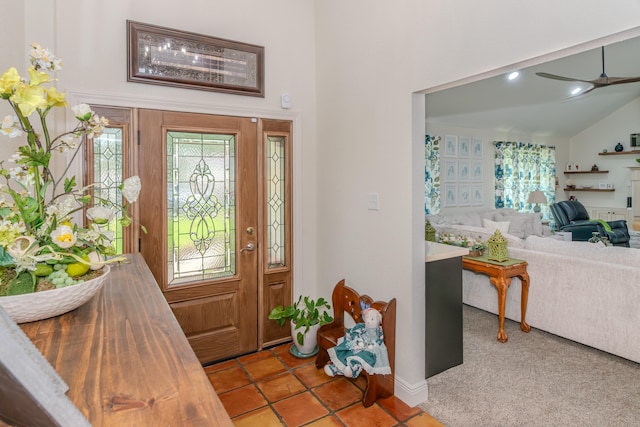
359,349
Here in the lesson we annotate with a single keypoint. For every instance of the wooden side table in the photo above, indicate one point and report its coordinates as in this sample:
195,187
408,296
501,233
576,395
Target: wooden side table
500,274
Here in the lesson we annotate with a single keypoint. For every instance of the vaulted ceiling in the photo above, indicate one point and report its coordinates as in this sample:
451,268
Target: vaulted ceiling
540,106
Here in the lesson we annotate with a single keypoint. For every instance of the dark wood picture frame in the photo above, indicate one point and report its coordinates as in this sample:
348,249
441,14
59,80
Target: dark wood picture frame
168,57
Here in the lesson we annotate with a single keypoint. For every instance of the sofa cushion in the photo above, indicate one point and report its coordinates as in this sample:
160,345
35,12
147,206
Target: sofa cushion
585,250
506,211
436,219
466,218
522,224
490,215
492,226
575,211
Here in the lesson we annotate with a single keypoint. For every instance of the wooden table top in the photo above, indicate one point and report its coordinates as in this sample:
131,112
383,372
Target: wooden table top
485,259
125,358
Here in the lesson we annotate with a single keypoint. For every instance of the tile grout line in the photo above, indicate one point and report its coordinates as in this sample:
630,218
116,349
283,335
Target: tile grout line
291,370
331,411
255,384
310,389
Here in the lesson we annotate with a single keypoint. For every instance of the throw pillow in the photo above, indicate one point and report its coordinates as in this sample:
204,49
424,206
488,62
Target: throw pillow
468,218
503,226
534,225
520,225
490,215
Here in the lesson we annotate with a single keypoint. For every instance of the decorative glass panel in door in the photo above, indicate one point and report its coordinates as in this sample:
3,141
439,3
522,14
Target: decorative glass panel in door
109,159
107,176
201,206
276,201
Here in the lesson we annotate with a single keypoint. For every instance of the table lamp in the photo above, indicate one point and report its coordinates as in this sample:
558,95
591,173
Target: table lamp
537,197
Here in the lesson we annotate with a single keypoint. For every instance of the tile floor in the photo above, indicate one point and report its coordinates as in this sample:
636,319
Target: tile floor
274,388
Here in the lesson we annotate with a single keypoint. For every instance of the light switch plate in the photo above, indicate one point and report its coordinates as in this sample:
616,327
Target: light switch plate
373,202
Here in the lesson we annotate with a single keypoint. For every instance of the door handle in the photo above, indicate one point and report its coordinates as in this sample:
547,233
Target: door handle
249,248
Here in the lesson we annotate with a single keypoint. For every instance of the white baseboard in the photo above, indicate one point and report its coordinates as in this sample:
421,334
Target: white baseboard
411,394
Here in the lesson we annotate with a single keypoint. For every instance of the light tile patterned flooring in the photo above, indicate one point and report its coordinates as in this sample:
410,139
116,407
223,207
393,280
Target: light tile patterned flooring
274,388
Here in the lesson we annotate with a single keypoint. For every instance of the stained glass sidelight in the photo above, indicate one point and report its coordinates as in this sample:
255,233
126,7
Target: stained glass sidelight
107,176
276,201
201,206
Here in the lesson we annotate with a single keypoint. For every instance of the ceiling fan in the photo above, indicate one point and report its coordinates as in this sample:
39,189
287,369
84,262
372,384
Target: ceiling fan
601,81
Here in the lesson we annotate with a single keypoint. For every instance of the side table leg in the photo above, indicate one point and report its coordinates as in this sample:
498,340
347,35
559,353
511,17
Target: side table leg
501,284
524,278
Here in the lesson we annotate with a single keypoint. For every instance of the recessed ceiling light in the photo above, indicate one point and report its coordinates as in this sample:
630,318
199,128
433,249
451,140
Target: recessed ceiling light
513,75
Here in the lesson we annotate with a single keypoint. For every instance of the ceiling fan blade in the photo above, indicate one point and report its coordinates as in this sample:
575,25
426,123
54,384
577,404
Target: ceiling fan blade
584,92
601,81
622,80
566,79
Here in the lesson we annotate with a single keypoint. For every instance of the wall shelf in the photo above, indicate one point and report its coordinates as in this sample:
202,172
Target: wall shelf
617,153
608,190
577,172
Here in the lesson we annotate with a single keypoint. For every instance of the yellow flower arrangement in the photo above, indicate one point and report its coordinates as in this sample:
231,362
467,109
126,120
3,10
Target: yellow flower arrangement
41,246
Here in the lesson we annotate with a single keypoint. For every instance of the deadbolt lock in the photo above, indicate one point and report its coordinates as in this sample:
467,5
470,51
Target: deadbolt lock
250,230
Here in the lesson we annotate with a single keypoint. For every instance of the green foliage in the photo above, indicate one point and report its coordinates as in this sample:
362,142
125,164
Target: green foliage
34,158
303,314
5,258
24,283
69,184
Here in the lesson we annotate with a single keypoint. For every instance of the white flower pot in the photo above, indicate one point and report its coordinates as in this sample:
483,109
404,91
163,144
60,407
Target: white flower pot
309,341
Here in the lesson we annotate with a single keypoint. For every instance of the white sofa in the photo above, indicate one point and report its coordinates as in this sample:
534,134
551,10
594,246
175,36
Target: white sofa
581,291
515,226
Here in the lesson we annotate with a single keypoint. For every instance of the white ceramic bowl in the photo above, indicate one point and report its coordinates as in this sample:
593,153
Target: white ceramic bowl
42,305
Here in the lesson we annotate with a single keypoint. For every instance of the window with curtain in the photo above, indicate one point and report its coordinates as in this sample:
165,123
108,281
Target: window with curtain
431,174
521,168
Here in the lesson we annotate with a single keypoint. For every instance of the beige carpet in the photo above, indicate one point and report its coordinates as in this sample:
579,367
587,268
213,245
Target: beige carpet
535,379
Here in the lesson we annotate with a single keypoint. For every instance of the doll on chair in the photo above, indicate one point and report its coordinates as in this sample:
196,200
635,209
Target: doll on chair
362,347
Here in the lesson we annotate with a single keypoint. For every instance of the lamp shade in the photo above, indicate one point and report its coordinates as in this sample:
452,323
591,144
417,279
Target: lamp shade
537,197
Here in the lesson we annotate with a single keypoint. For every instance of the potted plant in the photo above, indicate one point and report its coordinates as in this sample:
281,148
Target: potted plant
306,316
46,247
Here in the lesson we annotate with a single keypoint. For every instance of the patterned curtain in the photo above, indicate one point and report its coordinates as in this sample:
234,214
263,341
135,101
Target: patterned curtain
521,168
431,174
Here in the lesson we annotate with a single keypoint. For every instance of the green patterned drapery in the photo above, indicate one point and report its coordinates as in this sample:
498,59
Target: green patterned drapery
521,168
431,174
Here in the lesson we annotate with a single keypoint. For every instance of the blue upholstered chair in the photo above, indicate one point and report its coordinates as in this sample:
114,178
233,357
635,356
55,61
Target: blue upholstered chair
571,215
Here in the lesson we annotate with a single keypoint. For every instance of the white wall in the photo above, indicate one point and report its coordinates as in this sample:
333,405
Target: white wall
354,65
12,57
605,134
372,55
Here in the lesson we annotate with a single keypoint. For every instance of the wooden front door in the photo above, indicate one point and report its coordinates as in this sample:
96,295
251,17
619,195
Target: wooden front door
200,207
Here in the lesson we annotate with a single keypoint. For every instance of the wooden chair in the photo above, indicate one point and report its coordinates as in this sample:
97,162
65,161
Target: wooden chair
347,300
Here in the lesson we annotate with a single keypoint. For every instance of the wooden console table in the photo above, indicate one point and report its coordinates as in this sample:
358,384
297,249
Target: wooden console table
500,274
125,358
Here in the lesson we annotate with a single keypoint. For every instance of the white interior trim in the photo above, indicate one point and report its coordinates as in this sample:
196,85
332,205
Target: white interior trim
411,394
579,48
